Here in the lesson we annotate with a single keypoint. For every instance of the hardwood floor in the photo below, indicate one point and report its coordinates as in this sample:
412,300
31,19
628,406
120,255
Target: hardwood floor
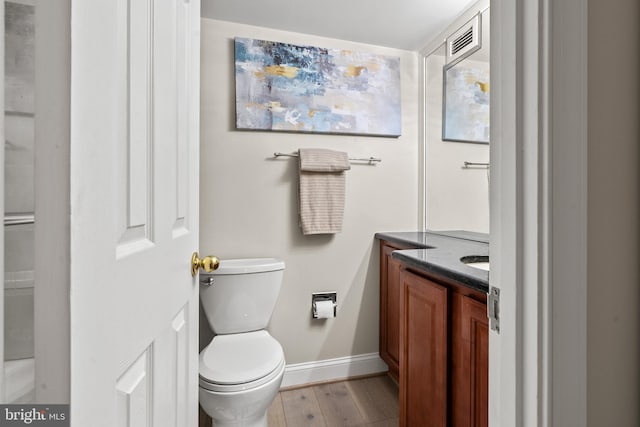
371,402
364,402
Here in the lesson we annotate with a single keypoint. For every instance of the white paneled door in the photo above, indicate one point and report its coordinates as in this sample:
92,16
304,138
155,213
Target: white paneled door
134,212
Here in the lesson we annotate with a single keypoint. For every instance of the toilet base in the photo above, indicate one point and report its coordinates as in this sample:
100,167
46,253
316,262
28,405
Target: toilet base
260,422
236,411
246,408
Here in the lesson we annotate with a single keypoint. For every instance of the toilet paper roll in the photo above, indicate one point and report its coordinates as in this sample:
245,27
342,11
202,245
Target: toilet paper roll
324,309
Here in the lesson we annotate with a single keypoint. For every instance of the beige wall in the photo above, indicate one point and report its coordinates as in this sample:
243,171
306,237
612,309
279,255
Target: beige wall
613,300
248,201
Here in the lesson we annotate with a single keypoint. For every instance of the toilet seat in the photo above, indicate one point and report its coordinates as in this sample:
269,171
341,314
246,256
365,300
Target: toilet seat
222,388
236,362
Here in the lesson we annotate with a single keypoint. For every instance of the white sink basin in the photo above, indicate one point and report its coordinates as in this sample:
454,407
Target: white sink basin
481,265
479,262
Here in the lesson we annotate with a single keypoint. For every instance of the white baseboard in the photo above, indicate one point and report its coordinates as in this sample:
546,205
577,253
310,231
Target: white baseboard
333,369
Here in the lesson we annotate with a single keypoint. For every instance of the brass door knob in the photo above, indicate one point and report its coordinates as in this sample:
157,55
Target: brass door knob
208,263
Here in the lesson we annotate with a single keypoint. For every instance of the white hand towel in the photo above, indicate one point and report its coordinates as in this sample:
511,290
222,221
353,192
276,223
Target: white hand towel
322,190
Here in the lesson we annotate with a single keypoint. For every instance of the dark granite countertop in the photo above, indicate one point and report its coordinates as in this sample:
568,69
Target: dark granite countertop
439,253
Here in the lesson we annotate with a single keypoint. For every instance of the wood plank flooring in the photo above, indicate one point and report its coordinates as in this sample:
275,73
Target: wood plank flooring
371,402
364,402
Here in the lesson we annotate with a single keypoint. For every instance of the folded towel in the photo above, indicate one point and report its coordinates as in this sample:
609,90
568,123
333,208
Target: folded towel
322,190
323,160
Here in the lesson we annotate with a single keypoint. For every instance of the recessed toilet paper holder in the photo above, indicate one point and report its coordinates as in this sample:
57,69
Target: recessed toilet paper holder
323,296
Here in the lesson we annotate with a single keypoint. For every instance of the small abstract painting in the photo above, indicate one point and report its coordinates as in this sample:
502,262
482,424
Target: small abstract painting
285,87
466,102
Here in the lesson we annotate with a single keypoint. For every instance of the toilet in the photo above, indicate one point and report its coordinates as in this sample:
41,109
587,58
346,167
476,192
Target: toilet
242,367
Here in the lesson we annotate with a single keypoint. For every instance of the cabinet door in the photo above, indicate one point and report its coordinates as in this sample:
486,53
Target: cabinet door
390,309
470,362
423,343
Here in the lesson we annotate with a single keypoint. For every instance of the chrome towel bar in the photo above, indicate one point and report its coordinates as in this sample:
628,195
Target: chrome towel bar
370,160
19,218
469,165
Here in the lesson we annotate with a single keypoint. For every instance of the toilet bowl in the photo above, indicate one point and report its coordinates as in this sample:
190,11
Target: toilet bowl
240,375
241,369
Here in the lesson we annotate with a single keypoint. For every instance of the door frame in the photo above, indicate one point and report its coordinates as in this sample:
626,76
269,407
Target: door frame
537,367
538,246
2,46
52,185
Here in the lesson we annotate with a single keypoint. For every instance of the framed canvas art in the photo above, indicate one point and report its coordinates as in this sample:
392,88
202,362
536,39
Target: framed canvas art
286,87
465,112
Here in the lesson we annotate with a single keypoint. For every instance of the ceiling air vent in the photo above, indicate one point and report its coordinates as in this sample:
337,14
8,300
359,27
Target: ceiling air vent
465,41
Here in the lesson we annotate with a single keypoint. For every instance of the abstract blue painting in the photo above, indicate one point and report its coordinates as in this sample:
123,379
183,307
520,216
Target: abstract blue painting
466,102
285,87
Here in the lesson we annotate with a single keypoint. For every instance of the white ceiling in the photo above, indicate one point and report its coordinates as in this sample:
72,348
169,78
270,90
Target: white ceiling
402,24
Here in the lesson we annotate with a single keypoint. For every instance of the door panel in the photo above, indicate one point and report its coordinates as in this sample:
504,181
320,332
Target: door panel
134,203
470,362
135,134
423,349
390,309
393,313
183,70
134,393
180,367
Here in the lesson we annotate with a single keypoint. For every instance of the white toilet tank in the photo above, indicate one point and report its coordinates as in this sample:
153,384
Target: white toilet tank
242,294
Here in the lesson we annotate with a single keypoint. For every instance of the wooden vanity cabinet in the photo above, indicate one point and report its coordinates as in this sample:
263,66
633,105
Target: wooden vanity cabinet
390,307
434,335
424,352
469,362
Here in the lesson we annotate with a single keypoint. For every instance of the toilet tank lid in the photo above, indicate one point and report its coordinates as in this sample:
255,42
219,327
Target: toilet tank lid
249,265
